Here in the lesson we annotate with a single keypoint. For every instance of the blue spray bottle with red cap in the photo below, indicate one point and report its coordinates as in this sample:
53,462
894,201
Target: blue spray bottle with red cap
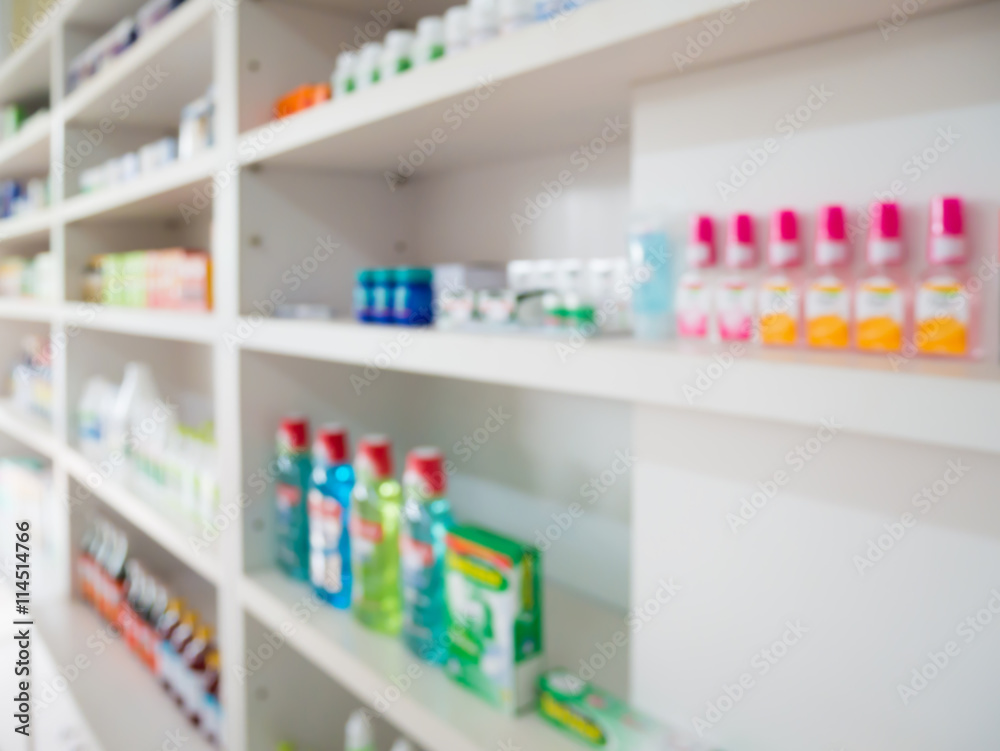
425,523
329,504
292,524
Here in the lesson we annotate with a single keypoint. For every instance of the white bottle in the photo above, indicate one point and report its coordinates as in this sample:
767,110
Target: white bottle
358,732
94,417
367,70
137,390
456,29
780,300
402,744
396,54
516,14
343,79
484,21
430,40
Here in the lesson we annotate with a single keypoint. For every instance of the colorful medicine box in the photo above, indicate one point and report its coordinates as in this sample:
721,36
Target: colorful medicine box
493,591
601,720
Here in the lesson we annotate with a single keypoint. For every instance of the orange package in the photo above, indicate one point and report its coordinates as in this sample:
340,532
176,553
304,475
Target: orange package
305,96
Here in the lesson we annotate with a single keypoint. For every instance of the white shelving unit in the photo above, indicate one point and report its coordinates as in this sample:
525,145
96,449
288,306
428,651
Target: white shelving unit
270,188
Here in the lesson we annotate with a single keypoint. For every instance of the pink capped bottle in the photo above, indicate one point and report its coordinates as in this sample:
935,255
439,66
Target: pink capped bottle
828,297
880,321
944,307
780,292
694,298
734,304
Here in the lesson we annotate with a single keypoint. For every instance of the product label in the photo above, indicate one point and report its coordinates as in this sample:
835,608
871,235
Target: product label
828,309
287,496
942,317
779,314
415,554
693,307
879,314
735,309
365,535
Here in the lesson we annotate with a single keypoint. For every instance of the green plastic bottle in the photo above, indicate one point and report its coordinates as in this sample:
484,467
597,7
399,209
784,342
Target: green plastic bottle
376,504
292,522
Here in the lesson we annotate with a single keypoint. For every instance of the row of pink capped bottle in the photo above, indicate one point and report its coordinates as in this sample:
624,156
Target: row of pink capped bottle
884,309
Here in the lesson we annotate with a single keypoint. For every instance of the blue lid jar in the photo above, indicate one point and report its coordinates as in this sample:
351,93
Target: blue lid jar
383,290
364,295
414,300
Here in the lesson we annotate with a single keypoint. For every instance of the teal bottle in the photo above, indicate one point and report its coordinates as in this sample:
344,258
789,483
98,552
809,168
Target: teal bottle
426,521
329,511
291,486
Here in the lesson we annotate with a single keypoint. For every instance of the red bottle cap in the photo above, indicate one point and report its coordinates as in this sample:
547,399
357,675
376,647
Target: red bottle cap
741,252
701,245
330,445
425,468
831,237
375,455
293,433
784,251
947,237
885,246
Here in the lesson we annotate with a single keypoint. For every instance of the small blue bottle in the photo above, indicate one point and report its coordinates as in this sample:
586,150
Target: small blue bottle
292,522
414,302
383,295
364,296
426,520
329,504
653,275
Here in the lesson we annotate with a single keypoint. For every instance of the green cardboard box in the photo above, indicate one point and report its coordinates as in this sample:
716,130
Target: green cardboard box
493,591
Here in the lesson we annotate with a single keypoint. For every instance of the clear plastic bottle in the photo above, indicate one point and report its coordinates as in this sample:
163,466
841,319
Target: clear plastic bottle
828,297
291,486
515,14
358,732
779,302
694,293
734,297
376,504
329,506
880,297
945,309
652,273
425,522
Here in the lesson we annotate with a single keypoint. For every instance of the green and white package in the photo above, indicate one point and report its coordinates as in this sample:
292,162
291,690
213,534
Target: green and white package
601,720
493,592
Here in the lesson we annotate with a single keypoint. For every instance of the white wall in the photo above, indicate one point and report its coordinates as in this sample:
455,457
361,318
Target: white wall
795,558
